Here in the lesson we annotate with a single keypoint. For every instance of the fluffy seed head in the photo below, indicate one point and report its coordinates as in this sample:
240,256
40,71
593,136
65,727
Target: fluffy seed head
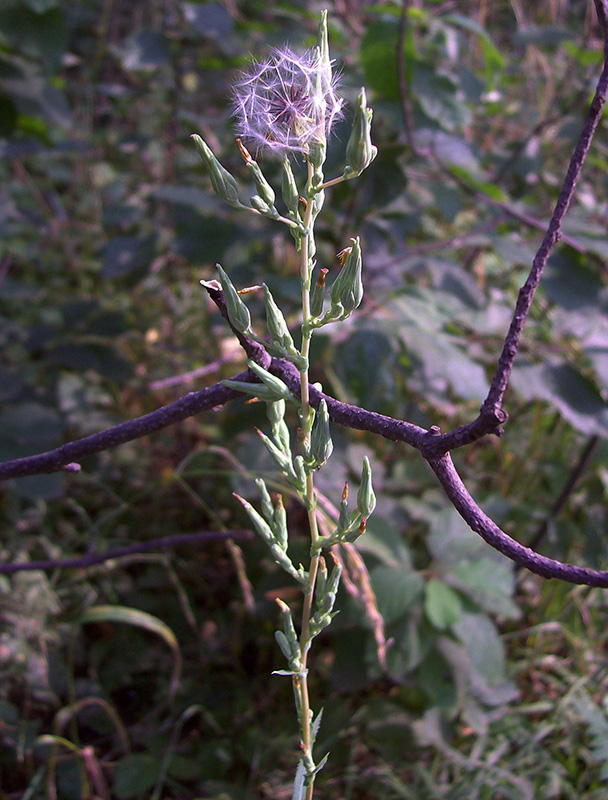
286,102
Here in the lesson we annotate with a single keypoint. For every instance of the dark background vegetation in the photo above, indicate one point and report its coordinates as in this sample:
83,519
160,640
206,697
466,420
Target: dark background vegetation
496,682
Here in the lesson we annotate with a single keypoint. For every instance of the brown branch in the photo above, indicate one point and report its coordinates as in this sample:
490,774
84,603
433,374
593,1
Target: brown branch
495,397
501,541
91,559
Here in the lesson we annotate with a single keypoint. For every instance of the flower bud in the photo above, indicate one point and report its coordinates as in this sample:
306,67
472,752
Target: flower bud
273,383
238,313
280,523
360,152
289,189
317,296
277,327
321,445
267,507
366,499
222,181
265,190
344,518
347,289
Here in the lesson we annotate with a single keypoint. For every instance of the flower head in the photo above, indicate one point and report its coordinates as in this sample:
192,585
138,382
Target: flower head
286,102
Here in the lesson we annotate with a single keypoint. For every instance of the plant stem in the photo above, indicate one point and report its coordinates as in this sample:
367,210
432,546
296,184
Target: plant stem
301,681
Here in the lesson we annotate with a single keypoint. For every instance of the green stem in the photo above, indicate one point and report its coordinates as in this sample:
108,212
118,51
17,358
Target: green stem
301,681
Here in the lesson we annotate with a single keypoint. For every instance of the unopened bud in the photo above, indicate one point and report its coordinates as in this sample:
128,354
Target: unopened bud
238,313
289,189
265,190
366,499
347,289
321,445
317,296
277,327
360,152
222,181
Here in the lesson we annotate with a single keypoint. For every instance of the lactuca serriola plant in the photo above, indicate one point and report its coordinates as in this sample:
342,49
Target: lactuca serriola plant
286,106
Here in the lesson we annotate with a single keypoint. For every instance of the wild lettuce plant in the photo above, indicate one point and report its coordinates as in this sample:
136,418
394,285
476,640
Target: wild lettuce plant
285,107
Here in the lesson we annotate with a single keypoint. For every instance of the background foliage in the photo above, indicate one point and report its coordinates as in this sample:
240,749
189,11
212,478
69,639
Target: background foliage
150,675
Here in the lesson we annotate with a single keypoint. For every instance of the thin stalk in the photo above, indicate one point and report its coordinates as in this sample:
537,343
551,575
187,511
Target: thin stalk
301,680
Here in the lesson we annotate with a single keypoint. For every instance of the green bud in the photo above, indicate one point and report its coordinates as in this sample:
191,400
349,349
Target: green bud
222,181
280,432
262,207
265,190
317,151
321,581
329,598
317,297
366,499
360,152
267,507
289,189
321,445
238,313
279,523
275,412
277,327
347,289
323,45
344,518
300,471
281,459
291,636
273,383
259,523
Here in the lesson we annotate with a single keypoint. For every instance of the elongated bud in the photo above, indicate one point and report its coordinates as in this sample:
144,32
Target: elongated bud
280,523
267,507
275,412
273,383
222,181
321,580
290,634
323,45
280,458
259,523
344,518
366,499
321,445
347,289
238,313
262,207
265,190
277,327
360,152
317,297
289,189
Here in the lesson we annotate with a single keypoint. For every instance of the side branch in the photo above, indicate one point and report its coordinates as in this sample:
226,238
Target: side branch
494,400
501,541
66,454
91,559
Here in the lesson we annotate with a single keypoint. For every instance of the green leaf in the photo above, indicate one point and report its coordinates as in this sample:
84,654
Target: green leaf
440,97
140,619
483,645
442,605
135,774
396,591
489,582
574,396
